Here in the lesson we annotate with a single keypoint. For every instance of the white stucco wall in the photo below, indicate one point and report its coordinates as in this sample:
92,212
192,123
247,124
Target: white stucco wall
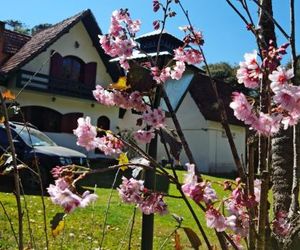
64,104
206,139
193,125
220,158
65,46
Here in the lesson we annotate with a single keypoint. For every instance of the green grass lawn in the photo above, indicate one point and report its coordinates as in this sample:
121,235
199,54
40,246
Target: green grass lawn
83,227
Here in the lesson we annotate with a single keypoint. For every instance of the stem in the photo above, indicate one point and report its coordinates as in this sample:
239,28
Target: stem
221,107
195,217
222,240
131,228
252,235
180,133
162,29
167,239
272,19
16,171
107,208
40,182
263,212
32,241
10,223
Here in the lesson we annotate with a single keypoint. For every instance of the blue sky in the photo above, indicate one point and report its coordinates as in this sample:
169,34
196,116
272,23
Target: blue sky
226,38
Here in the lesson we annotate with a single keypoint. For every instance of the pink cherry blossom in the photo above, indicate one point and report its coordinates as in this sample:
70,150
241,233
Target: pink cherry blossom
60,194
144,136
109,144
86,133
131,191
214,219
249,72
190,176
209,194
136,101
103,96
161,76
287,98
257,188
57,171
155,118
153,203
242,108
239,223
279,78
121,99
117,42
281,226
194,191
178,70
290,120
190,56
267,124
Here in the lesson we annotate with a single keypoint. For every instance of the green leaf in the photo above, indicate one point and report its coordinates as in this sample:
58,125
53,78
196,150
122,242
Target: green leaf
193,237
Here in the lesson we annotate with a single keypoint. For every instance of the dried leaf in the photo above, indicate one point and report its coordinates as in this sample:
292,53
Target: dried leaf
57,224
193,237
171,138
140,78
123,159
8,95
177,241
121,84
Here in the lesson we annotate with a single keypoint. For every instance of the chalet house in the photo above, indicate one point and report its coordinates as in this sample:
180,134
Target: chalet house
193,99
56,70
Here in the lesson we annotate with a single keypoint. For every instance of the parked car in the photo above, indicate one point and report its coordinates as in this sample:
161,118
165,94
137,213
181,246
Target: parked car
36,149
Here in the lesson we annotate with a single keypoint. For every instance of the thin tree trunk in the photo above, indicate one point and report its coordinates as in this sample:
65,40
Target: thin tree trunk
282,177
266,33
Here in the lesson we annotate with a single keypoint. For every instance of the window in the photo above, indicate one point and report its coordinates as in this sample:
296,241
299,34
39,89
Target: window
73,69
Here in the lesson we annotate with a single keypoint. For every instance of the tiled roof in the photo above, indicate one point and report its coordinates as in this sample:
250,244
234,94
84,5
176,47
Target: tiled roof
14,41
204,97
41,41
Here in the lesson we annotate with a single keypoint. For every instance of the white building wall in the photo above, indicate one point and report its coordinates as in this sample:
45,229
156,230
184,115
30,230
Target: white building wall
220,158
65,47
193,126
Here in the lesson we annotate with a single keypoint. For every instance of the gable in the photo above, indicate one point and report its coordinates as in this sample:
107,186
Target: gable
45,38
65,46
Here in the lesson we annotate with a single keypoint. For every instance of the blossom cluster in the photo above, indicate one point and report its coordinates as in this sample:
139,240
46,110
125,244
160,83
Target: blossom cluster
154,119
87,137
119,42
121,99
62,194
281,226
285,97
181,56
238,218
132,191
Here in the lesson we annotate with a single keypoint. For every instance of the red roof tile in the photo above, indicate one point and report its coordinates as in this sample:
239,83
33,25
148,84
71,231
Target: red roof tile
41,41
14,41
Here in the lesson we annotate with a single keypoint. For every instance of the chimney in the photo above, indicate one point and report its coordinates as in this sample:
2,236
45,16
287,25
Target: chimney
2,55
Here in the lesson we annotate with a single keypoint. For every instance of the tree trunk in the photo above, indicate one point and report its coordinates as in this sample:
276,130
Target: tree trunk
282,176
